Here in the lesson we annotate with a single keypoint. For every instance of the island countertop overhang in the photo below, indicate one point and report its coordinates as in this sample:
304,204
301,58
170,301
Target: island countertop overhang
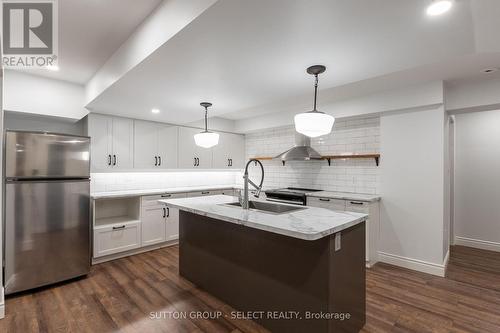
311,223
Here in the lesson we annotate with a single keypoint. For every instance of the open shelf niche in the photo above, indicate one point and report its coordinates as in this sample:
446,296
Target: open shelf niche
116,211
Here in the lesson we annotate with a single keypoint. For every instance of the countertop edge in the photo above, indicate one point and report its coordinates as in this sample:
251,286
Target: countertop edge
139,193
344,196
288,233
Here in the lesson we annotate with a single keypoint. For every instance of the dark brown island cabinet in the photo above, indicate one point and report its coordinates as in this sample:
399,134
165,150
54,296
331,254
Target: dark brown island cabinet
286,284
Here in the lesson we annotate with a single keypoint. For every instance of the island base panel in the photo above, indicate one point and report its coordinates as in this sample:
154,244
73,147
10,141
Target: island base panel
254,270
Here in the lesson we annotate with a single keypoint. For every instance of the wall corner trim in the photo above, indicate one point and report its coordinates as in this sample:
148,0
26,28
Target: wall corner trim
414,264
2,304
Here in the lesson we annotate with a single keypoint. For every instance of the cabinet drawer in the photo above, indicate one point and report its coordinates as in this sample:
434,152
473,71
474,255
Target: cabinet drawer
116,238
204,193
328,203
152,200
357,206
230,192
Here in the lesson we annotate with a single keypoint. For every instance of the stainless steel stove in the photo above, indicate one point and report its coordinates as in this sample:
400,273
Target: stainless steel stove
292,195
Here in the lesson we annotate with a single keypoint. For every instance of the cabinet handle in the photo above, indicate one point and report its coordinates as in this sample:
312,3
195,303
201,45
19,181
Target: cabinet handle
231,162
205,192
323,199
164,212
159,160
114,159
356,203
168,212
156,160
228,163
166,195
197,161
120,227
194,163
109,159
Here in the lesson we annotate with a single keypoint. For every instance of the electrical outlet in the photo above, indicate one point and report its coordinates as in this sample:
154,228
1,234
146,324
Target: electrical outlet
338,245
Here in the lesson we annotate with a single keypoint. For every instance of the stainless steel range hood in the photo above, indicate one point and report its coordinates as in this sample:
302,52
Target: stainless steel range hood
302,151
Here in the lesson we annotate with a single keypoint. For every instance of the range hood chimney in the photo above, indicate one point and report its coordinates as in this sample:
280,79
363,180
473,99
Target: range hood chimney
302,151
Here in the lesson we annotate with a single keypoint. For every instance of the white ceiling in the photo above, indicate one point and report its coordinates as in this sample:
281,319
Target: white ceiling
243,54
90,31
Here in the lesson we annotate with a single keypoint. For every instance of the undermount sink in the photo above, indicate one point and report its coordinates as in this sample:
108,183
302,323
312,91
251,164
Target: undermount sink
268,207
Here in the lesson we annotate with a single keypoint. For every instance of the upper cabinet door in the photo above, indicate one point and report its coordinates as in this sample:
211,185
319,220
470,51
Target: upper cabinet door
187,148
145,145
221,152
100,132
123,143
237,151
167,146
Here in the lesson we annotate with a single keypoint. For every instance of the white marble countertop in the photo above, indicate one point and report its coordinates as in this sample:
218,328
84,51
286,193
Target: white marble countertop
345,196
311,223
135,193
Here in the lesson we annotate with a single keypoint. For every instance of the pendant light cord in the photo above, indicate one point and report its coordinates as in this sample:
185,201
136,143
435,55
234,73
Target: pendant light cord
315,91
206,119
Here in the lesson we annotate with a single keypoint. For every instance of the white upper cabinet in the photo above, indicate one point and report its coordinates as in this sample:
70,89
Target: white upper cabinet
122,143
155,145
111,142
230,152
190,155
168,144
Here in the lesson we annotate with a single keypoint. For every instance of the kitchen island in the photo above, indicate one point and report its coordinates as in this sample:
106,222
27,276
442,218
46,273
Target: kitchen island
296,271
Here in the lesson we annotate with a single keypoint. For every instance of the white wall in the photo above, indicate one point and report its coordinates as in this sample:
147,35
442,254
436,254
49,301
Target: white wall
412,189
414,96
2,305
40,95
34,122
350,135
476,94
477,180
167,20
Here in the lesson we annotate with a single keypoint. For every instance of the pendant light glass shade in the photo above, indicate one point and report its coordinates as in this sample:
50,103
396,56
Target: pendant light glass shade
314,123
206,139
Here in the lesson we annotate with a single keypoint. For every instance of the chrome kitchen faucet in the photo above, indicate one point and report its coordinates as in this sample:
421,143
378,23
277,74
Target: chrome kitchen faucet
244,201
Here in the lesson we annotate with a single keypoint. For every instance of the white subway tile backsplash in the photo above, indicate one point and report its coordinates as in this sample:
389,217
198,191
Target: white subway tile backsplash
119,181
350,135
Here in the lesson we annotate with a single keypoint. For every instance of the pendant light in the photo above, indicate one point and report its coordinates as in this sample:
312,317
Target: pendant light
314,123
206,139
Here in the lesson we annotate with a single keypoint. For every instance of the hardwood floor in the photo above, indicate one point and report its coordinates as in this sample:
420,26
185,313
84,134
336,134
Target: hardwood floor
119,296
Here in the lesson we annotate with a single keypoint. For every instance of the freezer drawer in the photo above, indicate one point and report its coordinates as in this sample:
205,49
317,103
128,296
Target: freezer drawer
45,155
47,232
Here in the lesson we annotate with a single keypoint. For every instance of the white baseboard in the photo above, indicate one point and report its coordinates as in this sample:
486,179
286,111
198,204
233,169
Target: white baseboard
477,243
414,264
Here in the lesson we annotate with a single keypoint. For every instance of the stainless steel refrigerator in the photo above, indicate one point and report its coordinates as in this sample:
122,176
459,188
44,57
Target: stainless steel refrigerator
47,209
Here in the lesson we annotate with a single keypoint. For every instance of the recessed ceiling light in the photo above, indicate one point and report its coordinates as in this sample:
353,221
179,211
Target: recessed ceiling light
438,7
155,111
54,68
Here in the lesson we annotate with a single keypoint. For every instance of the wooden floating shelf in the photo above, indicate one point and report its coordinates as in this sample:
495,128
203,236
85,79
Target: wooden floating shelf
329,158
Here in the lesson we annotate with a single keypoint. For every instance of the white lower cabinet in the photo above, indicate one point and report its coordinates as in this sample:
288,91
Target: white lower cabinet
116,238
172,224
372,223
153,225
159,222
